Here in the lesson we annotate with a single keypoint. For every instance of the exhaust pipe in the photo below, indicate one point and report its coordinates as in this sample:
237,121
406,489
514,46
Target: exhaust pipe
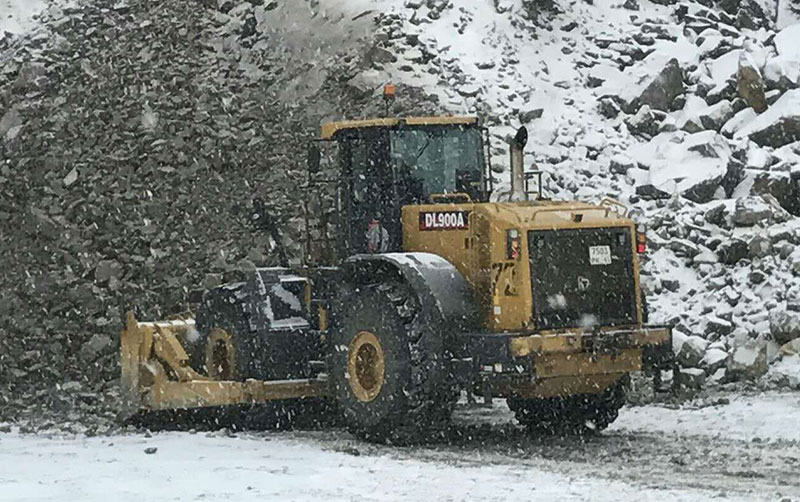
518,165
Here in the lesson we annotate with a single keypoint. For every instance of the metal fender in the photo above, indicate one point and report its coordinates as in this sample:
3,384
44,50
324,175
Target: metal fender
443,293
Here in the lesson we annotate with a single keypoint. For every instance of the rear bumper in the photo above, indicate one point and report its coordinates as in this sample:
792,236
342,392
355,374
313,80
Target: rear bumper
609,341
519,363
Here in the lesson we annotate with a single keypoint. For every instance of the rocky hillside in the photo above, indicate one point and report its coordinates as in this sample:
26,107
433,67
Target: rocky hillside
134,136
687,112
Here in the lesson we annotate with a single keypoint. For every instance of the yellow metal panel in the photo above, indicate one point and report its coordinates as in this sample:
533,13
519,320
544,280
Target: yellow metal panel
502,286
329,129
197,394
570,341
577,364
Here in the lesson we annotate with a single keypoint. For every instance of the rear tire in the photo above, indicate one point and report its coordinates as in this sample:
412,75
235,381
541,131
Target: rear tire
389,372
571,414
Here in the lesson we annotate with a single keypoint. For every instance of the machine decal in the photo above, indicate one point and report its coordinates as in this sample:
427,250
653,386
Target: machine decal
444,220
600,255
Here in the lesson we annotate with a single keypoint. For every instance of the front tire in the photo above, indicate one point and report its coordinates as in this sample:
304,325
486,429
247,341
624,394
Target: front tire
389,372
571,414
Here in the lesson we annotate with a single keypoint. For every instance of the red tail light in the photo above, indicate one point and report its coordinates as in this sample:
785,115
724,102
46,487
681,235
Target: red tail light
641,241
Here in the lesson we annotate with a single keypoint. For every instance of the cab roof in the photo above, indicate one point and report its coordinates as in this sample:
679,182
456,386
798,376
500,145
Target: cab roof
329,129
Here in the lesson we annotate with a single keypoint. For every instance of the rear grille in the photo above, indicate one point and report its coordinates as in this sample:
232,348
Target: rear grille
582,277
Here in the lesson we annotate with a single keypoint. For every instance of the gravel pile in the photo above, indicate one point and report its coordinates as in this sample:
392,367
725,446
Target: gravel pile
133,138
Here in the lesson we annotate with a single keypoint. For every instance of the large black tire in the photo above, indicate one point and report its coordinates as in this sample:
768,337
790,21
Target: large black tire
224,308
416,394
227,308
572,414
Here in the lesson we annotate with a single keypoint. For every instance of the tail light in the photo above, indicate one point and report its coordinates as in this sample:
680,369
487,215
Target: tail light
513,250
641,239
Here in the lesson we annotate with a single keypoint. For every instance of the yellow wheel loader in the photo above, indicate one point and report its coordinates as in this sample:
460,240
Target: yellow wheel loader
413,288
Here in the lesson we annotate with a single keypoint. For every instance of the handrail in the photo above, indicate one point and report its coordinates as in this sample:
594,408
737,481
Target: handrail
568,210
614,203
436,198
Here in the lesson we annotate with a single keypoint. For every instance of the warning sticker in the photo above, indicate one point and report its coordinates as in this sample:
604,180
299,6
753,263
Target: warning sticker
600,255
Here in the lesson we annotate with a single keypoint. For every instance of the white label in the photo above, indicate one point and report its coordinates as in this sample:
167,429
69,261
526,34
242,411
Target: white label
600,255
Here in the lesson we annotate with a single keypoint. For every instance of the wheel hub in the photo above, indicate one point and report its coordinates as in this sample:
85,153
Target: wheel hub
365,366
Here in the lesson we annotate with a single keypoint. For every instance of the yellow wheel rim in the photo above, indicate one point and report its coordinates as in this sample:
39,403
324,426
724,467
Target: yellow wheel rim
219,355
365,366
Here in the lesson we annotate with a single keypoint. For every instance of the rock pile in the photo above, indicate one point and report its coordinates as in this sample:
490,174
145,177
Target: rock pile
133,138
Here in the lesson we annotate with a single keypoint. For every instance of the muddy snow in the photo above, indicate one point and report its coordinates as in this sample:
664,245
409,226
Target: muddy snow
731,447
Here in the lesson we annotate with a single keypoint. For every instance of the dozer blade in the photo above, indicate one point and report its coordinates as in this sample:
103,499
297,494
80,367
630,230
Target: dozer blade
156,374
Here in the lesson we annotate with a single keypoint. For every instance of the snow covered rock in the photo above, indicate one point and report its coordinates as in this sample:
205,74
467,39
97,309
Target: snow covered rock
646,84
783,71
691,378
716,115
730,252
786,372
748,361
759,247
752,210
645,123
784,326
714,359
791,348
778,126
692,165
692,351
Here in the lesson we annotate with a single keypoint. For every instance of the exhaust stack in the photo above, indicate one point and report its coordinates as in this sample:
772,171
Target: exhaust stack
518,166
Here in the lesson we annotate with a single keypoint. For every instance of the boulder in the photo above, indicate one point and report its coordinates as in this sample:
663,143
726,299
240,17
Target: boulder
791,348
784,326
750,85
621,164
748,361
759,247
717,215
692,165
692,351
783,71
716,116
664,88
714,359
690,378
645,123
732,251
718,326
684,248
781,74
750,211
639,85
678,339
778,126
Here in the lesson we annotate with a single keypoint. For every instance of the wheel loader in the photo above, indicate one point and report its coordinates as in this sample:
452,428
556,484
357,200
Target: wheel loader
416,285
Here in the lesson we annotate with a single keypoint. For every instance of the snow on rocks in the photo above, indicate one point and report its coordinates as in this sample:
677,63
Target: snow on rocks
778,126
748,360
690,164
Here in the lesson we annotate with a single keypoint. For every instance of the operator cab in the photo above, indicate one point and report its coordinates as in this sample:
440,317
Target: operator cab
385,164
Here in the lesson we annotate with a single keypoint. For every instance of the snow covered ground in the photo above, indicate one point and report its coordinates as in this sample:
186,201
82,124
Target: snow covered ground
746,450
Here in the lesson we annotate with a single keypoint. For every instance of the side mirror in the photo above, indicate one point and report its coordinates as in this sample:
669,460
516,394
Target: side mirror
314,157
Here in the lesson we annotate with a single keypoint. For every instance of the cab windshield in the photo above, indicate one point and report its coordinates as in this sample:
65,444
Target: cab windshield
438,159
